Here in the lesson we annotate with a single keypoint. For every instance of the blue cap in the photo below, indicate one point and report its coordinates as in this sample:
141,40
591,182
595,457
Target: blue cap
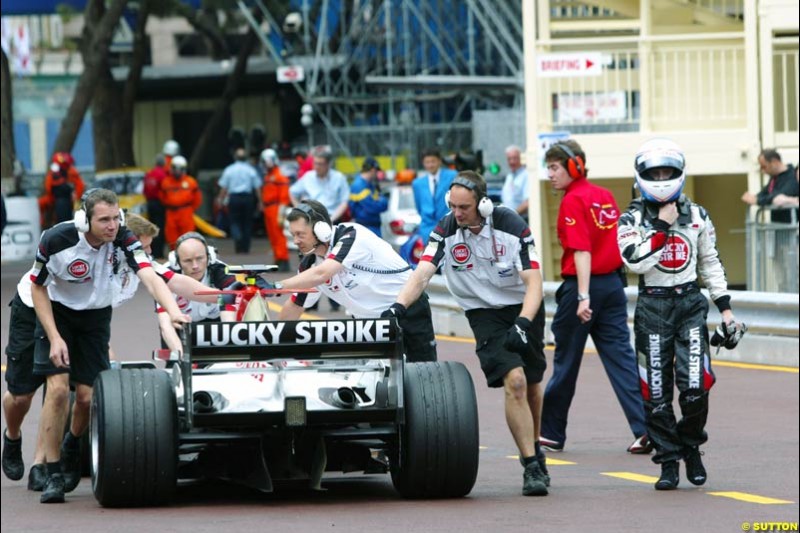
370,163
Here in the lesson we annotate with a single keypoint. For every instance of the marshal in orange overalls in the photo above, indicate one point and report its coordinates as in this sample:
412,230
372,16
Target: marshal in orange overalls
181,197
275,195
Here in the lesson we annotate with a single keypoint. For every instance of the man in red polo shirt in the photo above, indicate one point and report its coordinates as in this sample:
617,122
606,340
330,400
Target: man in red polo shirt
591,301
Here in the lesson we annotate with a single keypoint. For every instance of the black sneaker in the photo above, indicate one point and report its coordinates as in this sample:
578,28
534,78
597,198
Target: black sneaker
37,478
13,467
71,464
669,476
53,490
695,471
541,458
533,482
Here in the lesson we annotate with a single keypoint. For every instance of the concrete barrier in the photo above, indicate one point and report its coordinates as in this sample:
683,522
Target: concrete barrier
771,318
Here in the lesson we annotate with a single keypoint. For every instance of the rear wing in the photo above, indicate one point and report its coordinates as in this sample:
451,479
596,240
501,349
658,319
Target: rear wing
225,342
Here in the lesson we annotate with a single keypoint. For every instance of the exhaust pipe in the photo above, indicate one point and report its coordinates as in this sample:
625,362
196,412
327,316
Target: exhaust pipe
209,402
345,398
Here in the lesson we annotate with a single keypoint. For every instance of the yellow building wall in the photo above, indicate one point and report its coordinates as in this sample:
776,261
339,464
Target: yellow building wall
153,121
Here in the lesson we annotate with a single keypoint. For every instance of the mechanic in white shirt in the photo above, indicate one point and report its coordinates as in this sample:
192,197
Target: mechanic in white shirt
357,269
72,293
515,188
491,267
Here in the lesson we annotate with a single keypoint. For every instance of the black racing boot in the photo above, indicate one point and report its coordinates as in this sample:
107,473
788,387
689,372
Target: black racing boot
695,471
541,458
669,476
37,478
533,482
13,466
71,462
54,489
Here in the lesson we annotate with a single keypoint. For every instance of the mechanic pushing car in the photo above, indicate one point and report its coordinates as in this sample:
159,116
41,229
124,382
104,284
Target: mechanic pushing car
667,239
491,267
357,269
73,274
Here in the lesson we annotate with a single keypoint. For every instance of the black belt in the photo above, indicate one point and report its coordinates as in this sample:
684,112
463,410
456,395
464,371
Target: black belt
677,290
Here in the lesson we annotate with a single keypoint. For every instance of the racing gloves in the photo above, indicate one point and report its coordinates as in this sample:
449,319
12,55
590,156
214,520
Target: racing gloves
517,337
227,302
396,310
728,335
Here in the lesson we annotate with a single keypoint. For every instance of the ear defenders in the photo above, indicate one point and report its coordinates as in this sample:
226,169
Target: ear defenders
322,230
173,261
576,168
81,216
485,205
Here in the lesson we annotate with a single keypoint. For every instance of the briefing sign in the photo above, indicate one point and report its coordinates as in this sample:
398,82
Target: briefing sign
569,65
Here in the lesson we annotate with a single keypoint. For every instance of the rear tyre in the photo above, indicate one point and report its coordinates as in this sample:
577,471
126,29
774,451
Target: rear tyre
438,455
134,425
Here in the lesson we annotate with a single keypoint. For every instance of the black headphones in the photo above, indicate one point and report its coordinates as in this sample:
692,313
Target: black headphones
82,218
485,205
576,168
174,262
321,228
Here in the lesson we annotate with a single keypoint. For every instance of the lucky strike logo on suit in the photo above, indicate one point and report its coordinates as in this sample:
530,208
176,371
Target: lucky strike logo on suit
461,253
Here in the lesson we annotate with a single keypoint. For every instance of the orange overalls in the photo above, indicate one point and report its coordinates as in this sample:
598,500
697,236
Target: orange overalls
61,191
275,195
181,196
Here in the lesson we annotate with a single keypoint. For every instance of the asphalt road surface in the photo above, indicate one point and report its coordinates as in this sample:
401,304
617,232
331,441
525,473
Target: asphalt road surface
752,460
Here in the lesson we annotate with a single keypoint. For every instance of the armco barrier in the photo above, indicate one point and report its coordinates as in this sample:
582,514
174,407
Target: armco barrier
771,318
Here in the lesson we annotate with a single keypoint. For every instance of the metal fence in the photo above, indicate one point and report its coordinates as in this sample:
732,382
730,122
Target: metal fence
772,252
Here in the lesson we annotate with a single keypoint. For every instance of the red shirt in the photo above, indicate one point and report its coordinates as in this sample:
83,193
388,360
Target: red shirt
587,222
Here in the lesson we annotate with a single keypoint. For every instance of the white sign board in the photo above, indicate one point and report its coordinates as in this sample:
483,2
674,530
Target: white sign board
569,65
591,107
290,74
21,235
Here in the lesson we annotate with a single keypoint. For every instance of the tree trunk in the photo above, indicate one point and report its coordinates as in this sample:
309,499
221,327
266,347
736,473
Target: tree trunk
105,112
96,53
227,98
9,152
123,133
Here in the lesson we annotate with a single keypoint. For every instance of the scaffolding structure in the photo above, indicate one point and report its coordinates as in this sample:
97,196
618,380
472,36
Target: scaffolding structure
395,76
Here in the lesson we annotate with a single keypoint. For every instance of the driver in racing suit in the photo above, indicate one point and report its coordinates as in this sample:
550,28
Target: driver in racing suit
667,239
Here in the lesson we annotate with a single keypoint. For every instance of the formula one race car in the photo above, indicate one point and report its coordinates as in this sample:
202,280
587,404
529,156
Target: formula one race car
262,402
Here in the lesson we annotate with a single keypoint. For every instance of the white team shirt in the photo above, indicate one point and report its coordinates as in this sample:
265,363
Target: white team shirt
78,275
478,276
371,277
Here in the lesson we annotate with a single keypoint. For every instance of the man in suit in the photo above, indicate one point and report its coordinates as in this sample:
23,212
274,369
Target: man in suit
430,189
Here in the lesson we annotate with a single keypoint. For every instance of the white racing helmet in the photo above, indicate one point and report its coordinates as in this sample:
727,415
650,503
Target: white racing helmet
179,161
171,148
660,153
269,157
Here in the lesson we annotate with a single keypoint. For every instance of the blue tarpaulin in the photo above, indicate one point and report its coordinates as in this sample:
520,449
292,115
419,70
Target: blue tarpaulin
48,7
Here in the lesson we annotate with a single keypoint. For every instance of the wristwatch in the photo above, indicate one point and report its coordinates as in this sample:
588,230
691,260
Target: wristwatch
582,297
277,285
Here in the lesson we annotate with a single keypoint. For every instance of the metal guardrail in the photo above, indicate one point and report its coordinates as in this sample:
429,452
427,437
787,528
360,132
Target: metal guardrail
771,318
765,313
772,251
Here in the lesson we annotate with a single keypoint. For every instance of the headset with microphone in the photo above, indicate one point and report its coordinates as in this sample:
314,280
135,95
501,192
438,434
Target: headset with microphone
485,205
82,217
173,259
321,228
576,167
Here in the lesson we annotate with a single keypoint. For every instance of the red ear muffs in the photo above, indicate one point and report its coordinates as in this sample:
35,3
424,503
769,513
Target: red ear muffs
575,165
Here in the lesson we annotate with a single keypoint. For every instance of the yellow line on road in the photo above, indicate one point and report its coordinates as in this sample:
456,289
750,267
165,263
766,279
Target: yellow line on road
550,460
753,366
751,498
630,476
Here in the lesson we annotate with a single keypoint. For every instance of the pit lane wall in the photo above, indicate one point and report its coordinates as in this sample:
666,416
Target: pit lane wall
771,318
